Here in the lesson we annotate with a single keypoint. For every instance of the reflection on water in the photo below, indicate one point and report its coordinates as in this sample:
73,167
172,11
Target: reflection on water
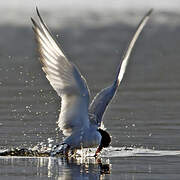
128,168
57,168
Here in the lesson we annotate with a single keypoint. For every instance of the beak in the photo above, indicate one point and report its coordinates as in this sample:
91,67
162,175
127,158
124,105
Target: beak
98,150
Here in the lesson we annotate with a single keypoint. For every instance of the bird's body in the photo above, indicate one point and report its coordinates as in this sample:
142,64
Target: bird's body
79,121
85,138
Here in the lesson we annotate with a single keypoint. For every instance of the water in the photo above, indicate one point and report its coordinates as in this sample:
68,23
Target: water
143,118
161,167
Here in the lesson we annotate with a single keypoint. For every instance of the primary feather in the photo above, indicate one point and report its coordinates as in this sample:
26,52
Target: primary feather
65,78
103,98
70,85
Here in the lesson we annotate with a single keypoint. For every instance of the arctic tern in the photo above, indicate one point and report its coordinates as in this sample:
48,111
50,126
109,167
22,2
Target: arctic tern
79,120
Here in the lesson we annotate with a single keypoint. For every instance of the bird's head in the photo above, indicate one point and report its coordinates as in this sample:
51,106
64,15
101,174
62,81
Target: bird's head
105,140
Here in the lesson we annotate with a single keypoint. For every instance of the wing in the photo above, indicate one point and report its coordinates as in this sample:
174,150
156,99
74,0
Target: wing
65,79
102,99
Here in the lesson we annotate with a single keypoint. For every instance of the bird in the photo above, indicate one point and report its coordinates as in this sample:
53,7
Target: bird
79,120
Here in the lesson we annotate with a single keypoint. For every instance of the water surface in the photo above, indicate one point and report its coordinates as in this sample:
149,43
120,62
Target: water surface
143,116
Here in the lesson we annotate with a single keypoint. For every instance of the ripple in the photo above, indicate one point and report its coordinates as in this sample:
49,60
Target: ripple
89,153
128,152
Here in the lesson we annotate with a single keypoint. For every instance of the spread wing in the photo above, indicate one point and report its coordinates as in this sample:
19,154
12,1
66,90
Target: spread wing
65,79
102,99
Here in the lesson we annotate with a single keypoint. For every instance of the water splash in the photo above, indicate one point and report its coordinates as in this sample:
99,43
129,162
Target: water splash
42,150
128,152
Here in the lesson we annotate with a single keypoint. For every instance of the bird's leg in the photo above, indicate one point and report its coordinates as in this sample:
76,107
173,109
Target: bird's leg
62,149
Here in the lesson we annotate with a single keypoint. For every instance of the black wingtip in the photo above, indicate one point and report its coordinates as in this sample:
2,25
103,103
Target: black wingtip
150,12
34,22
38,13
37,10
41,20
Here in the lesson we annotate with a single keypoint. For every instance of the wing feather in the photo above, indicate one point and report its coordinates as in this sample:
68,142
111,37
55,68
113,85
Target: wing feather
65,78
103,98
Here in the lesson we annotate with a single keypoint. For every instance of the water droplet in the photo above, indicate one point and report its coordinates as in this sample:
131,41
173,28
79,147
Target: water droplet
50,140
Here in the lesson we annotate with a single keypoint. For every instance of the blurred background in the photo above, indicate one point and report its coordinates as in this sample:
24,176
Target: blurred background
101,11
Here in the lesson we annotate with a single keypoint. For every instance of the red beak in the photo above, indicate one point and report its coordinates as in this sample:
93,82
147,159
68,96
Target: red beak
98,150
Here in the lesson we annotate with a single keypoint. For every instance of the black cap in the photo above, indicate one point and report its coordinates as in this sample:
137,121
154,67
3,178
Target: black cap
106,139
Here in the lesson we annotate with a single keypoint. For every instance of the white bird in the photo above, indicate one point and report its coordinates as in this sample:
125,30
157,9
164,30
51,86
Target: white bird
79,121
